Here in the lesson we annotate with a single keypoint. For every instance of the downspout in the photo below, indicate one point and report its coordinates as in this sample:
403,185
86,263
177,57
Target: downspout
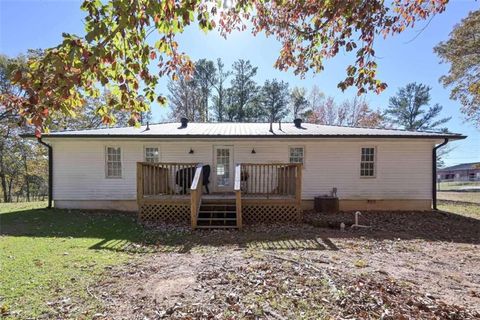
50,172
434,173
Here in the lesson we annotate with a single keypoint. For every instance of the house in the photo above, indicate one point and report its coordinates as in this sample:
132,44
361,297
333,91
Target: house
256,171
460,172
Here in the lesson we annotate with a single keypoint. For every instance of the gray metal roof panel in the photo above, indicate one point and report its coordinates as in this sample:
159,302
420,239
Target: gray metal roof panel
209,130
462,166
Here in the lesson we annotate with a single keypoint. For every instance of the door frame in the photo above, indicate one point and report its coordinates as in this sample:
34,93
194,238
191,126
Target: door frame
228,188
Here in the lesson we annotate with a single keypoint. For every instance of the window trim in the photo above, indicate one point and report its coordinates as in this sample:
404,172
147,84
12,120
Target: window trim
106,161
151,146
375,159
304,153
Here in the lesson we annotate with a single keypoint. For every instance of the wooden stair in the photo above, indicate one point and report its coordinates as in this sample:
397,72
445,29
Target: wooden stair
217,213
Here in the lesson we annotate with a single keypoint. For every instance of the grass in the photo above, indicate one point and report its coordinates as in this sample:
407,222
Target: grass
471,197
456,185
51,257
471,210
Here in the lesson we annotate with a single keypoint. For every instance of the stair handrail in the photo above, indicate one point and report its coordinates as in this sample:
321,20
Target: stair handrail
238,194
196,194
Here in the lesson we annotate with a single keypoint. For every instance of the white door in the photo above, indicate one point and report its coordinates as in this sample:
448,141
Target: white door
223,168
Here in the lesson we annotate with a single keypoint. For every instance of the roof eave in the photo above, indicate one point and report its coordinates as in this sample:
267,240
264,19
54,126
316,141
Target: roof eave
160,136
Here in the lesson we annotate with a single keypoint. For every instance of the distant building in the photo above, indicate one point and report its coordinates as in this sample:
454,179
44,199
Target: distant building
460,172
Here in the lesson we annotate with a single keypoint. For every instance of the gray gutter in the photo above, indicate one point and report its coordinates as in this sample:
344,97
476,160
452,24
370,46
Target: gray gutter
50,172
434,173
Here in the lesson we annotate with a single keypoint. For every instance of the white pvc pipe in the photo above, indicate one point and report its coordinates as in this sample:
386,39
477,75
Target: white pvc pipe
357,224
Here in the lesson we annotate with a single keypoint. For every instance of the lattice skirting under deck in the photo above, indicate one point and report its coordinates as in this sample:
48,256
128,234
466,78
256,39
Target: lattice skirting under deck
172,213
271,213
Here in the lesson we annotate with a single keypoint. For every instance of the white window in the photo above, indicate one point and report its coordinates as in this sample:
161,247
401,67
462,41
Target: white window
297,154
151,154
367,163
113,161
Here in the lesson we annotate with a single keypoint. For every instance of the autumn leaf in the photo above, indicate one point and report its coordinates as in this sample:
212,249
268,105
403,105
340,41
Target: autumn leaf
309,32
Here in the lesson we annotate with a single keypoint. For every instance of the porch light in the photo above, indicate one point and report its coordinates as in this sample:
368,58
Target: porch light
253,151
191,151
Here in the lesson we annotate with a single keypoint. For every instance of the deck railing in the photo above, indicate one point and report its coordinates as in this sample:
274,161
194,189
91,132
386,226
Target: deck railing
272,180
164,179
261,189
178,186
196,194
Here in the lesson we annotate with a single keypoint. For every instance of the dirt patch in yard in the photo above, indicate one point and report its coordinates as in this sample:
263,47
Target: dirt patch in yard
406,266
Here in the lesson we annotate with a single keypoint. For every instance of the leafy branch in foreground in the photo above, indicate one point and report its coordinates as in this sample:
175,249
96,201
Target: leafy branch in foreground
117,52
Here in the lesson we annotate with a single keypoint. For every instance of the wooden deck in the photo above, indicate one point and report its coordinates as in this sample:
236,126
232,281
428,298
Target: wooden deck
262,192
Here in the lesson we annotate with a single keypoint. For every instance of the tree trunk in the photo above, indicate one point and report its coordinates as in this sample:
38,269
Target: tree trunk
10,185
27,182
4,187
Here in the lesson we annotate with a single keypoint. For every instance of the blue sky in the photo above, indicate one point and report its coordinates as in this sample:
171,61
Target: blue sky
402,59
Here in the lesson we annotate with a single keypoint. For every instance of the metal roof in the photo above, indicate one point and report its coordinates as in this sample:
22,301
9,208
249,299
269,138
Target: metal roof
462,166
246,130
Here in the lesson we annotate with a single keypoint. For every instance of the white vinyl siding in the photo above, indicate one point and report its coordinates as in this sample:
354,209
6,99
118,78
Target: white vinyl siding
113,162
403,166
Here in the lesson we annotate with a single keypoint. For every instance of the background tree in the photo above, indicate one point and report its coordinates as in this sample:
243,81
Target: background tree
244,87
254,111
299,102
325,111
410,109
184,99
145,117
220,98
205,77
356,112
462,51
230,106
352,113
17,154
275,99
315,98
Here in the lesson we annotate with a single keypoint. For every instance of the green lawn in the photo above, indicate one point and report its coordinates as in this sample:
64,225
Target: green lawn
471,210
455,185
470,197
49,258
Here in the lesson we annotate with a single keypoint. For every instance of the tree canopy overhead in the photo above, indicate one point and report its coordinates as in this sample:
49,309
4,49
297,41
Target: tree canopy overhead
116,51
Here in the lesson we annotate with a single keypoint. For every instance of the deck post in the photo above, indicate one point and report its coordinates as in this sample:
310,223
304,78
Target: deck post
196,195
298,191
238,195
193,208
139,188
